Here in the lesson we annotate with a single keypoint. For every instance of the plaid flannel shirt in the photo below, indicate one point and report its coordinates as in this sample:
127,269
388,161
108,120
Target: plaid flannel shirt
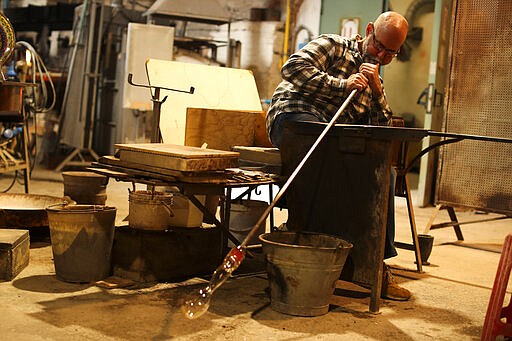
314,81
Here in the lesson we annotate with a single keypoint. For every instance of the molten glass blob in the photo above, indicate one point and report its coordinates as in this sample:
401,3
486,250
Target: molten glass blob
197,304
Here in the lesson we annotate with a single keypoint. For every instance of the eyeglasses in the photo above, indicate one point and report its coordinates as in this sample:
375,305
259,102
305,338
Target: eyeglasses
380,47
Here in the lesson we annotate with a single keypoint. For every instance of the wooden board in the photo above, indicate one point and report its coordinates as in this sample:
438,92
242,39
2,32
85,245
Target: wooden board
270,156
260,131
182,158
215,88
144,35
130,169
220,129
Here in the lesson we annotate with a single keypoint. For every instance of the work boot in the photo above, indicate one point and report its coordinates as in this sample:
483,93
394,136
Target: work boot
390,289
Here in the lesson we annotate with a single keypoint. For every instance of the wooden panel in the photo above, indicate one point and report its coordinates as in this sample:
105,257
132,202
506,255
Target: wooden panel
144,35
271,156
220,129
183,158
215,88
126,169
260,131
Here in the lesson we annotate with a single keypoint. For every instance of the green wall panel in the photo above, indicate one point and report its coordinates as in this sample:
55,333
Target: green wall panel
333,11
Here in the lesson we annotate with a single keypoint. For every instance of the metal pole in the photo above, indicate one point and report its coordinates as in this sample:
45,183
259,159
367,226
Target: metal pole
254,229
85,108
95,76
77,37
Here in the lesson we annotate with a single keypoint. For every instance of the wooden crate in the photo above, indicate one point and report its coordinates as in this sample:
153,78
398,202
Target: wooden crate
14,252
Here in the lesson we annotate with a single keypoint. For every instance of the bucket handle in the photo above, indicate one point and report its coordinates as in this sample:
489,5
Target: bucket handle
169,209
66,201
167,206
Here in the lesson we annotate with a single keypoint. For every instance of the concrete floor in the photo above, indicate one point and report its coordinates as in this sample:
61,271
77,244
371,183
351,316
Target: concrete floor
449,298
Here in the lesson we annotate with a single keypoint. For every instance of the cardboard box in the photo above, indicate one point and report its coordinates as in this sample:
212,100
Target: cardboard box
14,252
186,214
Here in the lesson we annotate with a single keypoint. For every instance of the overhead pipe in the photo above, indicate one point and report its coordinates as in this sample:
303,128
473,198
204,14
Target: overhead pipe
284,58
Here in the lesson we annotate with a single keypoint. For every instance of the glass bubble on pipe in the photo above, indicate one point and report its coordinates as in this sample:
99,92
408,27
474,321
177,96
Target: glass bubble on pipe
196,305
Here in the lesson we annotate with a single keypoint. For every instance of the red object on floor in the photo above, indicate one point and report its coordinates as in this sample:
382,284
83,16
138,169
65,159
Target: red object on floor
493,325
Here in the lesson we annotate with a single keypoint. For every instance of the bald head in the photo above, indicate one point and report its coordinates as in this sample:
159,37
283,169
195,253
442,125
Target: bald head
393,26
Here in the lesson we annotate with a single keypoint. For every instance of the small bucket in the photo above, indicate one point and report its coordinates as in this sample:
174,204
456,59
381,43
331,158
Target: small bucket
243,217
82,237
149,210
85,187
426,242
303,269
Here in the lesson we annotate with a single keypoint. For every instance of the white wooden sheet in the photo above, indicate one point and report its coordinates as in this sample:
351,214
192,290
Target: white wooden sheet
144,41
215,88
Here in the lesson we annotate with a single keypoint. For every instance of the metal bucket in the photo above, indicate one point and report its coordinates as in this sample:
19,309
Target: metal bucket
244,215
150,210
82,237
303,269
85,187
426,242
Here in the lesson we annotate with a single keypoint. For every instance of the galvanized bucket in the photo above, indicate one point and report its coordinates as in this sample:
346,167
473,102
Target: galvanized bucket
302,270
244,215
82,237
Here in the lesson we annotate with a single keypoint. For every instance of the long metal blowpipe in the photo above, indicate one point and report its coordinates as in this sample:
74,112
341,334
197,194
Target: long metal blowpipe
197,304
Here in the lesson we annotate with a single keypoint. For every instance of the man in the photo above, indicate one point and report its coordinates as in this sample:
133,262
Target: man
318,78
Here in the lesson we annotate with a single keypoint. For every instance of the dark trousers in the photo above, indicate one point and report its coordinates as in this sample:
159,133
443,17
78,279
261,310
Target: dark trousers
276,138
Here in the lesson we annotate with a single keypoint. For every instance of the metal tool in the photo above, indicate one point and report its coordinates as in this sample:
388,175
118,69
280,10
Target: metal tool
198,304
157,104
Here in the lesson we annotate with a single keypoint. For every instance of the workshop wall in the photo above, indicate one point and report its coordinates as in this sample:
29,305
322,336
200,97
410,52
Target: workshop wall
261,39
260,48
334,11
405,81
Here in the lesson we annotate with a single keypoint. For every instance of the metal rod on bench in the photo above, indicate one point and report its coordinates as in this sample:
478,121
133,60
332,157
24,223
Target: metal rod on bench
198,304
283,189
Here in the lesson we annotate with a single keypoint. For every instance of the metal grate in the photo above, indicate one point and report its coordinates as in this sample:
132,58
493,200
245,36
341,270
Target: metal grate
476,174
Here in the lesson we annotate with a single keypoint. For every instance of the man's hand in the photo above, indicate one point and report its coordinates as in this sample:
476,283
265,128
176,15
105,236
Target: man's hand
357,81
371,72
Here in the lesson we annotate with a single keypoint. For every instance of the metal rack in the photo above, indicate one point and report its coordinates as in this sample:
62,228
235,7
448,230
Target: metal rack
14,155
123,171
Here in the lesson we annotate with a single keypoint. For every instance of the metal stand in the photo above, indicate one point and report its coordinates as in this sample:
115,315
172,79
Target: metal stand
12,110
402,189
89,85
156,136
9,162
77,152
402,170
454,222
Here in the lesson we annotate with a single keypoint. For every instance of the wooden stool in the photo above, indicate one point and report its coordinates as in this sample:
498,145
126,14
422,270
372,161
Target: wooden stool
493,326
